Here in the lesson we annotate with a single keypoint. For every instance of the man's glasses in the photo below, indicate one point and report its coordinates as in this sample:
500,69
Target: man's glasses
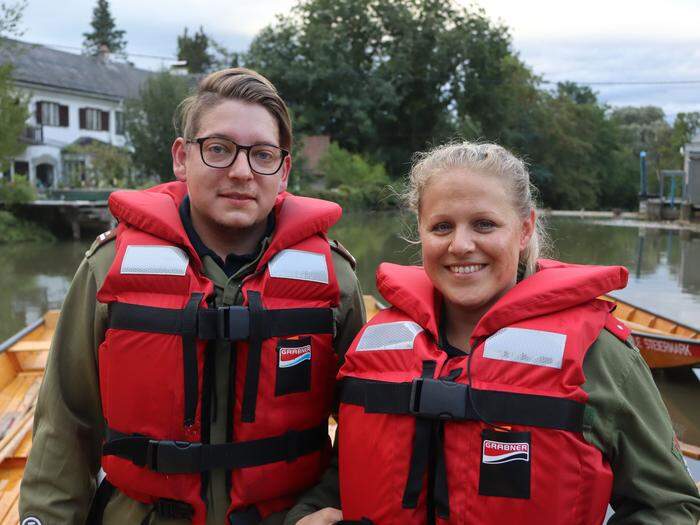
217,152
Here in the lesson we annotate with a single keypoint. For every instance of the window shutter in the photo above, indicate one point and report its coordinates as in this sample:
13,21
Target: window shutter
38,113
63,116
105,120
81,114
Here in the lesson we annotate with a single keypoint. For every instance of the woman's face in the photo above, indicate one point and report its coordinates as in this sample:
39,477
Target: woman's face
472,237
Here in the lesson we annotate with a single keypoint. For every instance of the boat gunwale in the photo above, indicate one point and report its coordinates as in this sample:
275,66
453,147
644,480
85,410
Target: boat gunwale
10,341
626,302
666,337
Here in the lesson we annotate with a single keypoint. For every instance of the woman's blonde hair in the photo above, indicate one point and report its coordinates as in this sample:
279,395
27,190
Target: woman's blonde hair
485,158
233,84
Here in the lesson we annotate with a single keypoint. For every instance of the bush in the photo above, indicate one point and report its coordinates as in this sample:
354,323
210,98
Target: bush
17,191
354,182
108,166
13,229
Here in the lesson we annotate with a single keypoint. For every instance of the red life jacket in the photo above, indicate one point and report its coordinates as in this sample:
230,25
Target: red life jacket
153,359
489,437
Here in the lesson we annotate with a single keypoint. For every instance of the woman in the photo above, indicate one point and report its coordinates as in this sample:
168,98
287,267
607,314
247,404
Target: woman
498,388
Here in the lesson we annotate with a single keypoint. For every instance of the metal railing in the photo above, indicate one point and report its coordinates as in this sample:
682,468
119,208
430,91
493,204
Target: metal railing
33,134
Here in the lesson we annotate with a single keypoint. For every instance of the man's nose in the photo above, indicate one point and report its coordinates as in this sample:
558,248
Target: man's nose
240,169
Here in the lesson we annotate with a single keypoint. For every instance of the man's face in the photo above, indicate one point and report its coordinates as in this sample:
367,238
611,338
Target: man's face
233,200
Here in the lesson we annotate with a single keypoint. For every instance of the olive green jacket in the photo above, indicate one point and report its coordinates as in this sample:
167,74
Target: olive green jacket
61,474
626,419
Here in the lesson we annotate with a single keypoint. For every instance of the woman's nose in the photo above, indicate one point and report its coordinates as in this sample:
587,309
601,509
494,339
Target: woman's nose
462,242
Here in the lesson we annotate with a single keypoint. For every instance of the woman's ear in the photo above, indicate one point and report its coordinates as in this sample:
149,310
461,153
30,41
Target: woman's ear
528,229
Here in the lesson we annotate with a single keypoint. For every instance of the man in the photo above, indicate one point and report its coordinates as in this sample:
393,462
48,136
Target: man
202,377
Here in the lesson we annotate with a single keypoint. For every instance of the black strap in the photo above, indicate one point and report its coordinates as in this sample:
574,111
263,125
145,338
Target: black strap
447,400
170,509
99,502
252,373
248,516
189,357
231,323
179,457
420,452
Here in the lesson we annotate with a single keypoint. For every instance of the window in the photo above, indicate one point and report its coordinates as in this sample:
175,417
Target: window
51,114
21,168
95,119
119,121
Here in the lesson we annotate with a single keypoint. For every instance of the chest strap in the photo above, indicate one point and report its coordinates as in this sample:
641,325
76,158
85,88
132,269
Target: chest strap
447,400
180,457
436,402
232,323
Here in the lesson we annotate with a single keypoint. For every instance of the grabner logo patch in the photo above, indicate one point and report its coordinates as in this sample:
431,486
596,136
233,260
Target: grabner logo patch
496,452
31,520
294,356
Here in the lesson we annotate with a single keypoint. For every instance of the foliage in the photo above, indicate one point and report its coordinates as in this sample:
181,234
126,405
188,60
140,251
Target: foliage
149,124
107,166
575,153
13,117
17,191
353,180
10,18
388,78
14,230
13,104
194,49
104,32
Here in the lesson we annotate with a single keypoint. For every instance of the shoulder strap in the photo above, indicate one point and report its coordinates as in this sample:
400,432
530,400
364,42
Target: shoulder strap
101,240
342,250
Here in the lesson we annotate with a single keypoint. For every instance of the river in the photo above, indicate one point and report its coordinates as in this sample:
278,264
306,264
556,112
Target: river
664,270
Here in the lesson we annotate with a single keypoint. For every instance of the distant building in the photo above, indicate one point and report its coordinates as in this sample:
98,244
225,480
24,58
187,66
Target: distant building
691,167
74,100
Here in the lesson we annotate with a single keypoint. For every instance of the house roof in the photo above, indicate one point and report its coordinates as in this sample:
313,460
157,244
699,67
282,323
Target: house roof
43,66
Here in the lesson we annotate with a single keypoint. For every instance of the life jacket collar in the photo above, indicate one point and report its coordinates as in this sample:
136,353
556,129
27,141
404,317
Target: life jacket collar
554,287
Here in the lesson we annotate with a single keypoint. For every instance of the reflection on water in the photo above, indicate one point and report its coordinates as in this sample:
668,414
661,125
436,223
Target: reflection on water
664,276
34,278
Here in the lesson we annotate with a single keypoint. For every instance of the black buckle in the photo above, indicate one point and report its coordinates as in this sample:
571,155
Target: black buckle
174,457
438,399
233,323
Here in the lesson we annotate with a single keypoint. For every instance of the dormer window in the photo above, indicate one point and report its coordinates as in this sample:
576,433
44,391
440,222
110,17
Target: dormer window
94,119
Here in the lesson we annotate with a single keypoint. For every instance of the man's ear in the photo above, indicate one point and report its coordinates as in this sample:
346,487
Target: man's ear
286,168
179,153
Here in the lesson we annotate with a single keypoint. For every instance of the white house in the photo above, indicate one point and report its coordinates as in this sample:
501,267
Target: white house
74,99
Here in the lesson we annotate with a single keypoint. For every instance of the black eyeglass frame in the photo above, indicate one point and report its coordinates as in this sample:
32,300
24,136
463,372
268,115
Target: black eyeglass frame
239,147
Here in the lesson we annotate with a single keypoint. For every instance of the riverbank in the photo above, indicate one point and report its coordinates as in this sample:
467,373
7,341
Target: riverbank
13,229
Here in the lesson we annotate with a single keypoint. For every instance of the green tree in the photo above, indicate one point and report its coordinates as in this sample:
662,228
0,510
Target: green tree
388,78
195,50
104,32
149,123
685,127
13,104
576,153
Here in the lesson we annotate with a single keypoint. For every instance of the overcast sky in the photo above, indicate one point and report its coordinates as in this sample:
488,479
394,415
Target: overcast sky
592,41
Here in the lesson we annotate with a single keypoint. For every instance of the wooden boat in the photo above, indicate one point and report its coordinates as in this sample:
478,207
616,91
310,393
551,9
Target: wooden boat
22,363
663,342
